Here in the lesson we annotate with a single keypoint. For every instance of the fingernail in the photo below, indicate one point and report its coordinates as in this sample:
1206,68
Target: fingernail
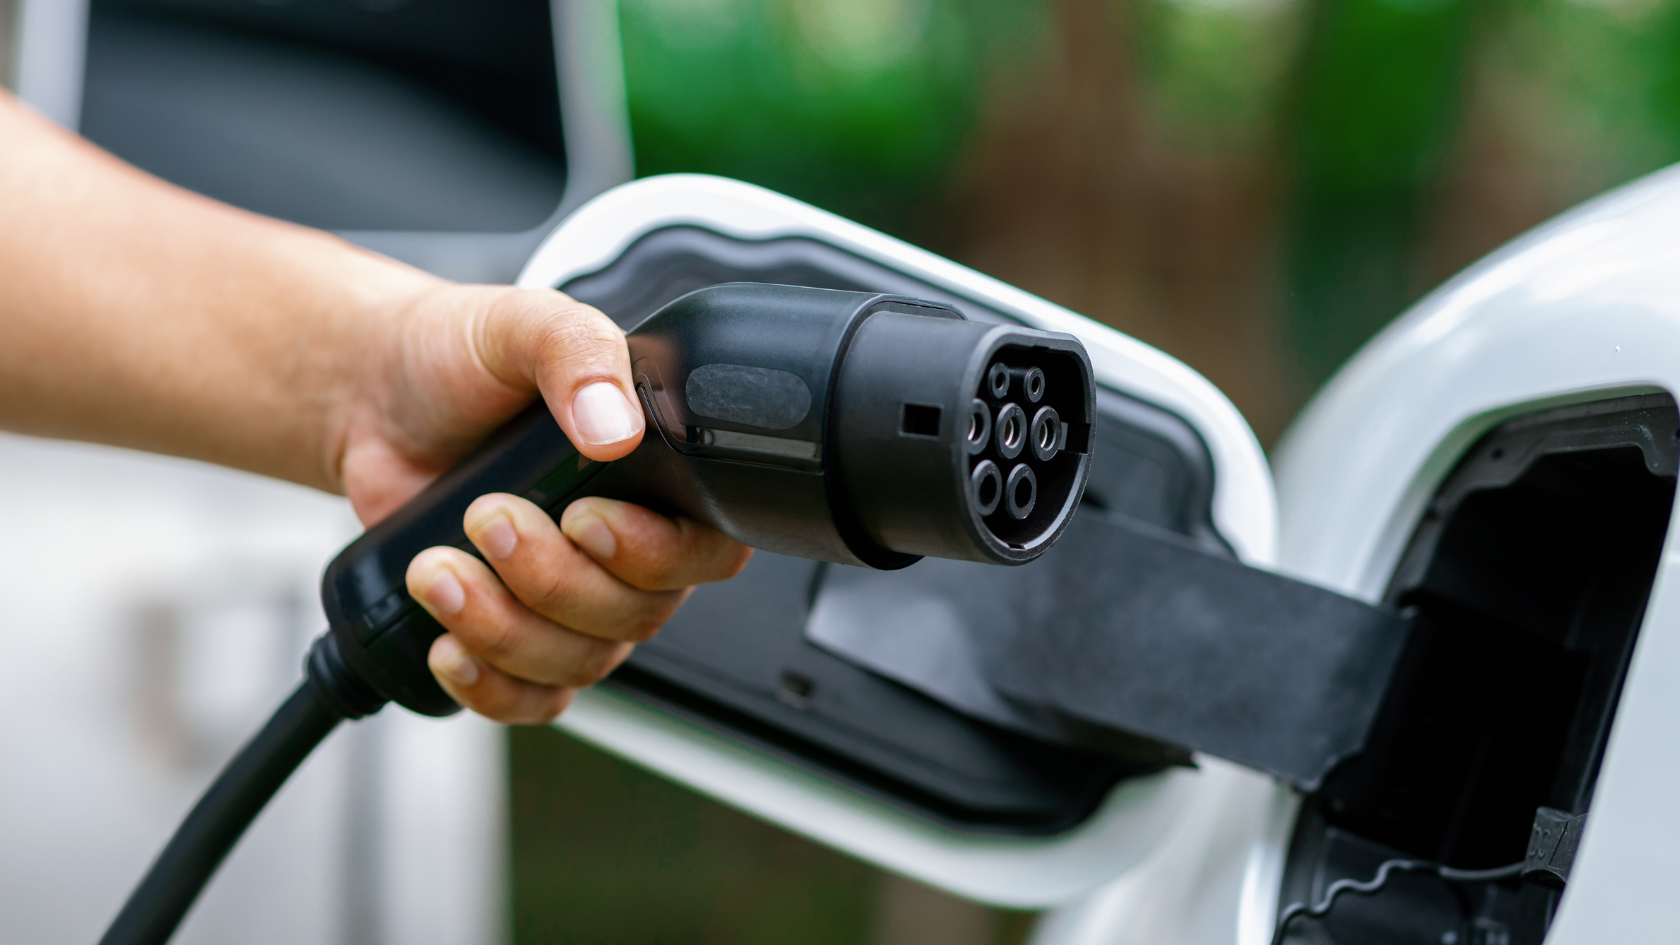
498,538
452,661
444,591
592,535
602,414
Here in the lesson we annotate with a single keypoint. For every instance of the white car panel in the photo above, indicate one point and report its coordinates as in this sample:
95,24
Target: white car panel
1584,308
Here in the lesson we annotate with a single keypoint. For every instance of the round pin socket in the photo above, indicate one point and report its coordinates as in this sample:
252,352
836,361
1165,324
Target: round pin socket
1020,491
997,380
979,426
1032,382
986,487
1010,431
1046,433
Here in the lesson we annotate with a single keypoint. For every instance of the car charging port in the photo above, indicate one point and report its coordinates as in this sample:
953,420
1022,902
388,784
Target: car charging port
1528,576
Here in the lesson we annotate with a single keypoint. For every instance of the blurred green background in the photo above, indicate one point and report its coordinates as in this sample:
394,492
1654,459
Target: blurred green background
1253,186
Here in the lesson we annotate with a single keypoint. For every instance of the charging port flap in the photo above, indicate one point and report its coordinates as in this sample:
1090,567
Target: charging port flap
1124,630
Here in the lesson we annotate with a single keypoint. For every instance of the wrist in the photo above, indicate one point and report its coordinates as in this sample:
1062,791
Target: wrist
361,338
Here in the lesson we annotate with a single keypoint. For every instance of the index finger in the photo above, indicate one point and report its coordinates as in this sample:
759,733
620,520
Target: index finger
650,551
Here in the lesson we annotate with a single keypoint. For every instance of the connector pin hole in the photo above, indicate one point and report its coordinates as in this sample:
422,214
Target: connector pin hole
1011,431
1046,433
1021,490
997,380
986,487
979,426
1034,385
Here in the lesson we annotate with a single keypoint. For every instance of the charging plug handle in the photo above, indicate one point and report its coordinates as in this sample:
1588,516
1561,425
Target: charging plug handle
815,423
851,427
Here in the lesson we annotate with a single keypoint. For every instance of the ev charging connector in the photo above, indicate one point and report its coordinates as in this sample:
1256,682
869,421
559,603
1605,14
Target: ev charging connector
849,427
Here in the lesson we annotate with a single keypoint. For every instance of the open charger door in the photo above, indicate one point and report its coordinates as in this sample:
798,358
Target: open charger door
734,700
1502,462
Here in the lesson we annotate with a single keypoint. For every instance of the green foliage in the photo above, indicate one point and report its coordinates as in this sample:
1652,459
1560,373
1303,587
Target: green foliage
605,853
857,105
1380,91
1379,98
1213,75
1609,76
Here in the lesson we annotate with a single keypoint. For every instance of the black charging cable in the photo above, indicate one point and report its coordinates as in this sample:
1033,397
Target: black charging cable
1375,884
328,695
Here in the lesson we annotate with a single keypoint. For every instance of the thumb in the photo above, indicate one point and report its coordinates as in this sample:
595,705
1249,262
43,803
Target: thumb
576,357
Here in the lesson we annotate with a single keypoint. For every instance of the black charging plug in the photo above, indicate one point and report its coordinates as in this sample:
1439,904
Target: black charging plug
851,427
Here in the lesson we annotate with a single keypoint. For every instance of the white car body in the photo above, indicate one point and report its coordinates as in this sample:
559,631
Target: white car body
1585,308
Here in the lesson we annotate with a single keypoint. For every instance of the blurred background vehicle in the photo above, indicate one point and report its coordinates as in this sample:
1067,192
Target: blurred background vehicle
1253,186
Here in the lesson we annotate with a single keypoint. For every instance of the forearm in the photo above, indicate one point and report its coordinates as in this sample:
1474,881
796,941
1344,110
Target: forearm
138,314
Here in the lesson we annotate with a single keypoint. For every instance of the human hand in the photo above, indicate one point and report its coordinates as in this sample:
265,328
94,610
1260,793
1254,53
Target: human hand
557,607
440,366
137,314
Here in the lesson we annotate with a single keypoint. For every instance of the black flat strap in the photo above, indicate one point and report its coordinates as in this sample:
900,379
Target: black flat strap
1125,631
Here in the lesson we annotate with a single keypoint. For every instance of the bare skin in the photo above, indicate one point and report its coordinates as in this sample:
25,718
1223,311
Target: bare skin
138,314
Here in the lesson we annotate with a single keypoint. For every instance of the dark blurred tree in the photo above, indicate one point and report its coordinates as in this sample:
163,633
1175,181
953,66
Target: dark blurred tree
1377,100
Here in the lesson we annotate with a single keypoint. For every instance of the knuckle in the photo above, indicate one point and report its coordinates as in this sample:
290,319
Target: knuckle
576,674
550,592
597,661
722,557
549,708
495,639
516,704
611,658
599,665
580,337
641,629
661,572
493,706
646,625
491,701
743,554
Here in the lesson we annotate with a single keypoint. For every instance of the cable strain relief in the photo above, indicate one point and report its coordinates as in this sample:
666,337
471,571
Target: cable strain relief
341,686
